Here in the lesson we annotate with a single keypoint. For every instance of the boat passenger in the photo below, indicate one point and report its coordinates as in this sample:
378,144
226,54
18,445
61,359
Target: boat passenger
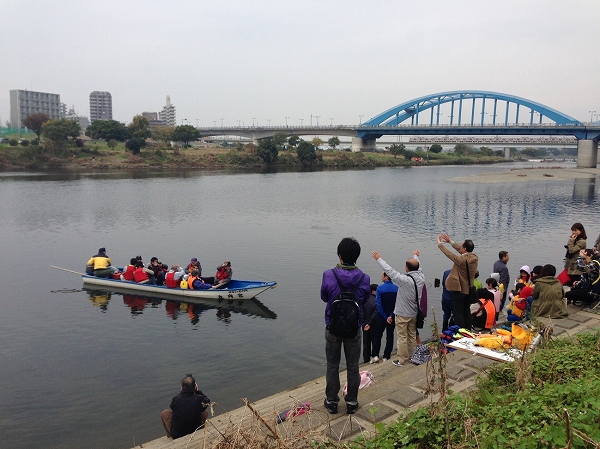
127,274
100,265
223,276
174,276
156,268
143,275
195,282
193,265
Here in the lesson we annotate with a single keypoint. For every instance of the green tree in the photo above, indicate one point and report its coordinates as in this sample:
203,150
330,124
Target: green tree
108,129
139,127
185,134
163,134
306,152
463,149
61,130
333,142
135,144
436,148
486,151
112,143
317,142
531,152
397,149
280,140
267,151
293,141
35,122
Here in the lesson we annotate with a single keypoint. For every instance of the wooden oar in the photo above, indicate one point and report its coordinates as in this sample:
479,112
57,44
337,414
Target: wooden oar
64,269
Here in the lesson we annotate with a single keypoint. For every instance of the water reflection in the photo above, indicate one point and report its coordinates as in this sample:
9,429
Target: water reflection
584,189
191,309
100,299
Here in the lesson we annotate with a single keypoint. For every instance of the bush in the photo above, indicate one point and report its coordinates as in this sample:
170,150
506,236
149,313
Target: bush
24,142
13,142
80,143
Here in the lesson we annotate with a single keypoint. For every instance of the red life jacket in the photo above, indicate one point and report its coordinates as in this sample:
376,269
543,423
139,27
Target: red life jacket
170,281
222,273
128,273
139,275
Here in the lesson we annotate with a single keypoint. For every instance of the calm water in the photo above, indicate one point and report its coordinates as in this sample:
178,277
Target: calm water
86,369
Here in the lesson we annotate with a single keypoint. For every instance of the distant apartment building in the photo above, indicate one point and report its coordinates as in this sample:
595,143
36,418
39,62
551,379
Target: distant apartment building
100,106
153,119
82,120
167,115
27,102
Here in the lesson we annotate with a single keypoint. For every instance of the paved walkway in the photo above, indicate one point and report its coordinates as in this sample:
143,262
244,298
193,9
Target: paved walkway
395,391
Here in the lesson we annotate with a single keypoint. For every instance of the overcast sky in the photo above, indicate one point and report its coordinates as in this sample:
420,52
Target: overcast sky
337,59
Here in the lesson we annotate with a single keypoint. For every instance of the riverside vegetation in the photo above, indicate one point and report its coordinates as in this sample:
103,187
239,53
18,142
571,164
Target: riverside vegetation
93,154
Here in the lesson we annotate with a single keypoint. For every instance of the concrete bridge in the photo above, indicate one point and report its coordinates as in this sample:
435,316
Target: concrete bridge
457,113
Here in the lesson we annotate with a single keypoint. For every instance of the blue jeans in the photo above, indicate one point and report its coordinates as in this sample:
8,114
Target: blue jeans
333,353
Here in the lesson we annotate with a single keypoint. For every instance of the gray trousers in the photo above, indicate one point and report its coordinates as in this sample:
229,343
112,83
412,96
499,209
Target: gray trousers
333,353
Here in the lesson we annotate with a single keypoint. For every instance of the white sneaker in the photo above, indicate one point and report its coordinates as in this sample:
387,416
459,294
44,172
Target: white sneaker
374,359
397,362
383,359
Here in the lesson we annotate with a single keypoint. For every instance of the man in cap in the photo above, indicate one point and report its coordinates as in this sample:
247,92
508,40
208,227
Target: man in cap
100,265
193,265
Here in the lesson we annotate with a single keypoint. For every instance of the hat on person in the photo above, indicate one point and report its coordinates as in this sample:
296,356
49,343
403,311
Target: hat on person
194,259
526,269
102,250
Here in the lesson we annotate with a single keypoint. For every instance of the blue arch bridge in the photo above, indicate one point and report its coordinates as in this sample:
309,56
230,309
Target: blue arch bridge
456,113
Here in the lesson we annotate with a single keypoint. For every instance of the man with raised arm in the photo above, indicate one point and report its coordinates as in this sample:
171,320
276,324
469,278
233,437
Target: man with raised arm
407,302
461,277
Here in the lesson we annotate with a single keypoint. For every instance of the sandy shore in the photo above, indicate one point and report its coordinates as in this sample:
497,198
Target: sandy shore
531,174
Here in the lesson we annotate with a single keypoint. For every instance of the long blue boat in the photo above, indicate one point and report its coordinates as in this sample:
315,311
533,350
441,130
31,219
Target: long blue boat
235,289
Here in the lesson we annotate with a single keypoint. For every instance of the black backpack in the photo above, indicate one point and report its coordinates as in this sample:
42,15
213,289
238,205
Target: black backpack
344,313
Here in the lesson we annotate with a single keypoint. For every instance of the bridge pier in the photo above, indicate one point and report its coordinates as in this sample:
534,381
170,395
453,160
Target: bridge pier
360,144
506,152
587,153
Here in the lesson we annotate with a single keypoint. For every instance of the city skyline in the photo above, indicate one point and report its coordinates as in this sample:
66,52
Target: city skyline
267,63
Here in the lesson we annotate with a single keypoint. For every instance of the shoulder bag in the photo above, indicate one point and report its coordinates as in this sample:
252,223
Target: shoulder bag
420,315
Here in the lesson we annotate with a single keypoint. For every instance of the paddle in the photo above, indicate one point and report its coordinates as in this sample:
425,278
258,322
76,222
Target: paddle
64,269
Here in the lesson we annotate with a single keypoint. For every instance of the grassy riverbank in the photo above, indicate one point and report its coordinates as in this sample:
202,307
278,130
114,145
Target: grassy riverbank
549,399
97,155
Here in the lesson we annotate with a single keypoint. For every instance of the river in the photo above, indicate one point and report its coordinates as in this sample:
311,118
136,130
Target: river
81,369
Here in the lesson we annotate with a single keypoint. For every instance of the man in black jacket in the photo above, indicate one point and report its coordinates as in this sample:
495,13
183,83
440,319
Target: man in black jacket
187,411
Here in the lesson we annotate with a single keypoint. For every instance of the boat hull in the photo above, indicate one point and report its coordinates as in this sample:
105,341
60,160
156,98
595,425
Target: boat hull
237,289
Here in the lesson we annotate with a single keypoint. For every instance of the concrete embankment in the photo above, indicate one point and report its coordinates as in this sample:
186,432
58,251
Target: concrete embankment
394,392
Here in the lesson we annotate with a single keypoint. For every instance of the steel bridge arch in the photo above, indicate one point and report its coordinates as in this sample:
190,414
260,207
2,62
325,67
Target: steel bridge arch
410,110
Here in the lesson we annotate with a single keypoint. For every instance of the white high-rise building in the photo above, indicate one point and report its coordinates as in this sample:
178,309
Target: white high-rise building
27,102
100,106
167,115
